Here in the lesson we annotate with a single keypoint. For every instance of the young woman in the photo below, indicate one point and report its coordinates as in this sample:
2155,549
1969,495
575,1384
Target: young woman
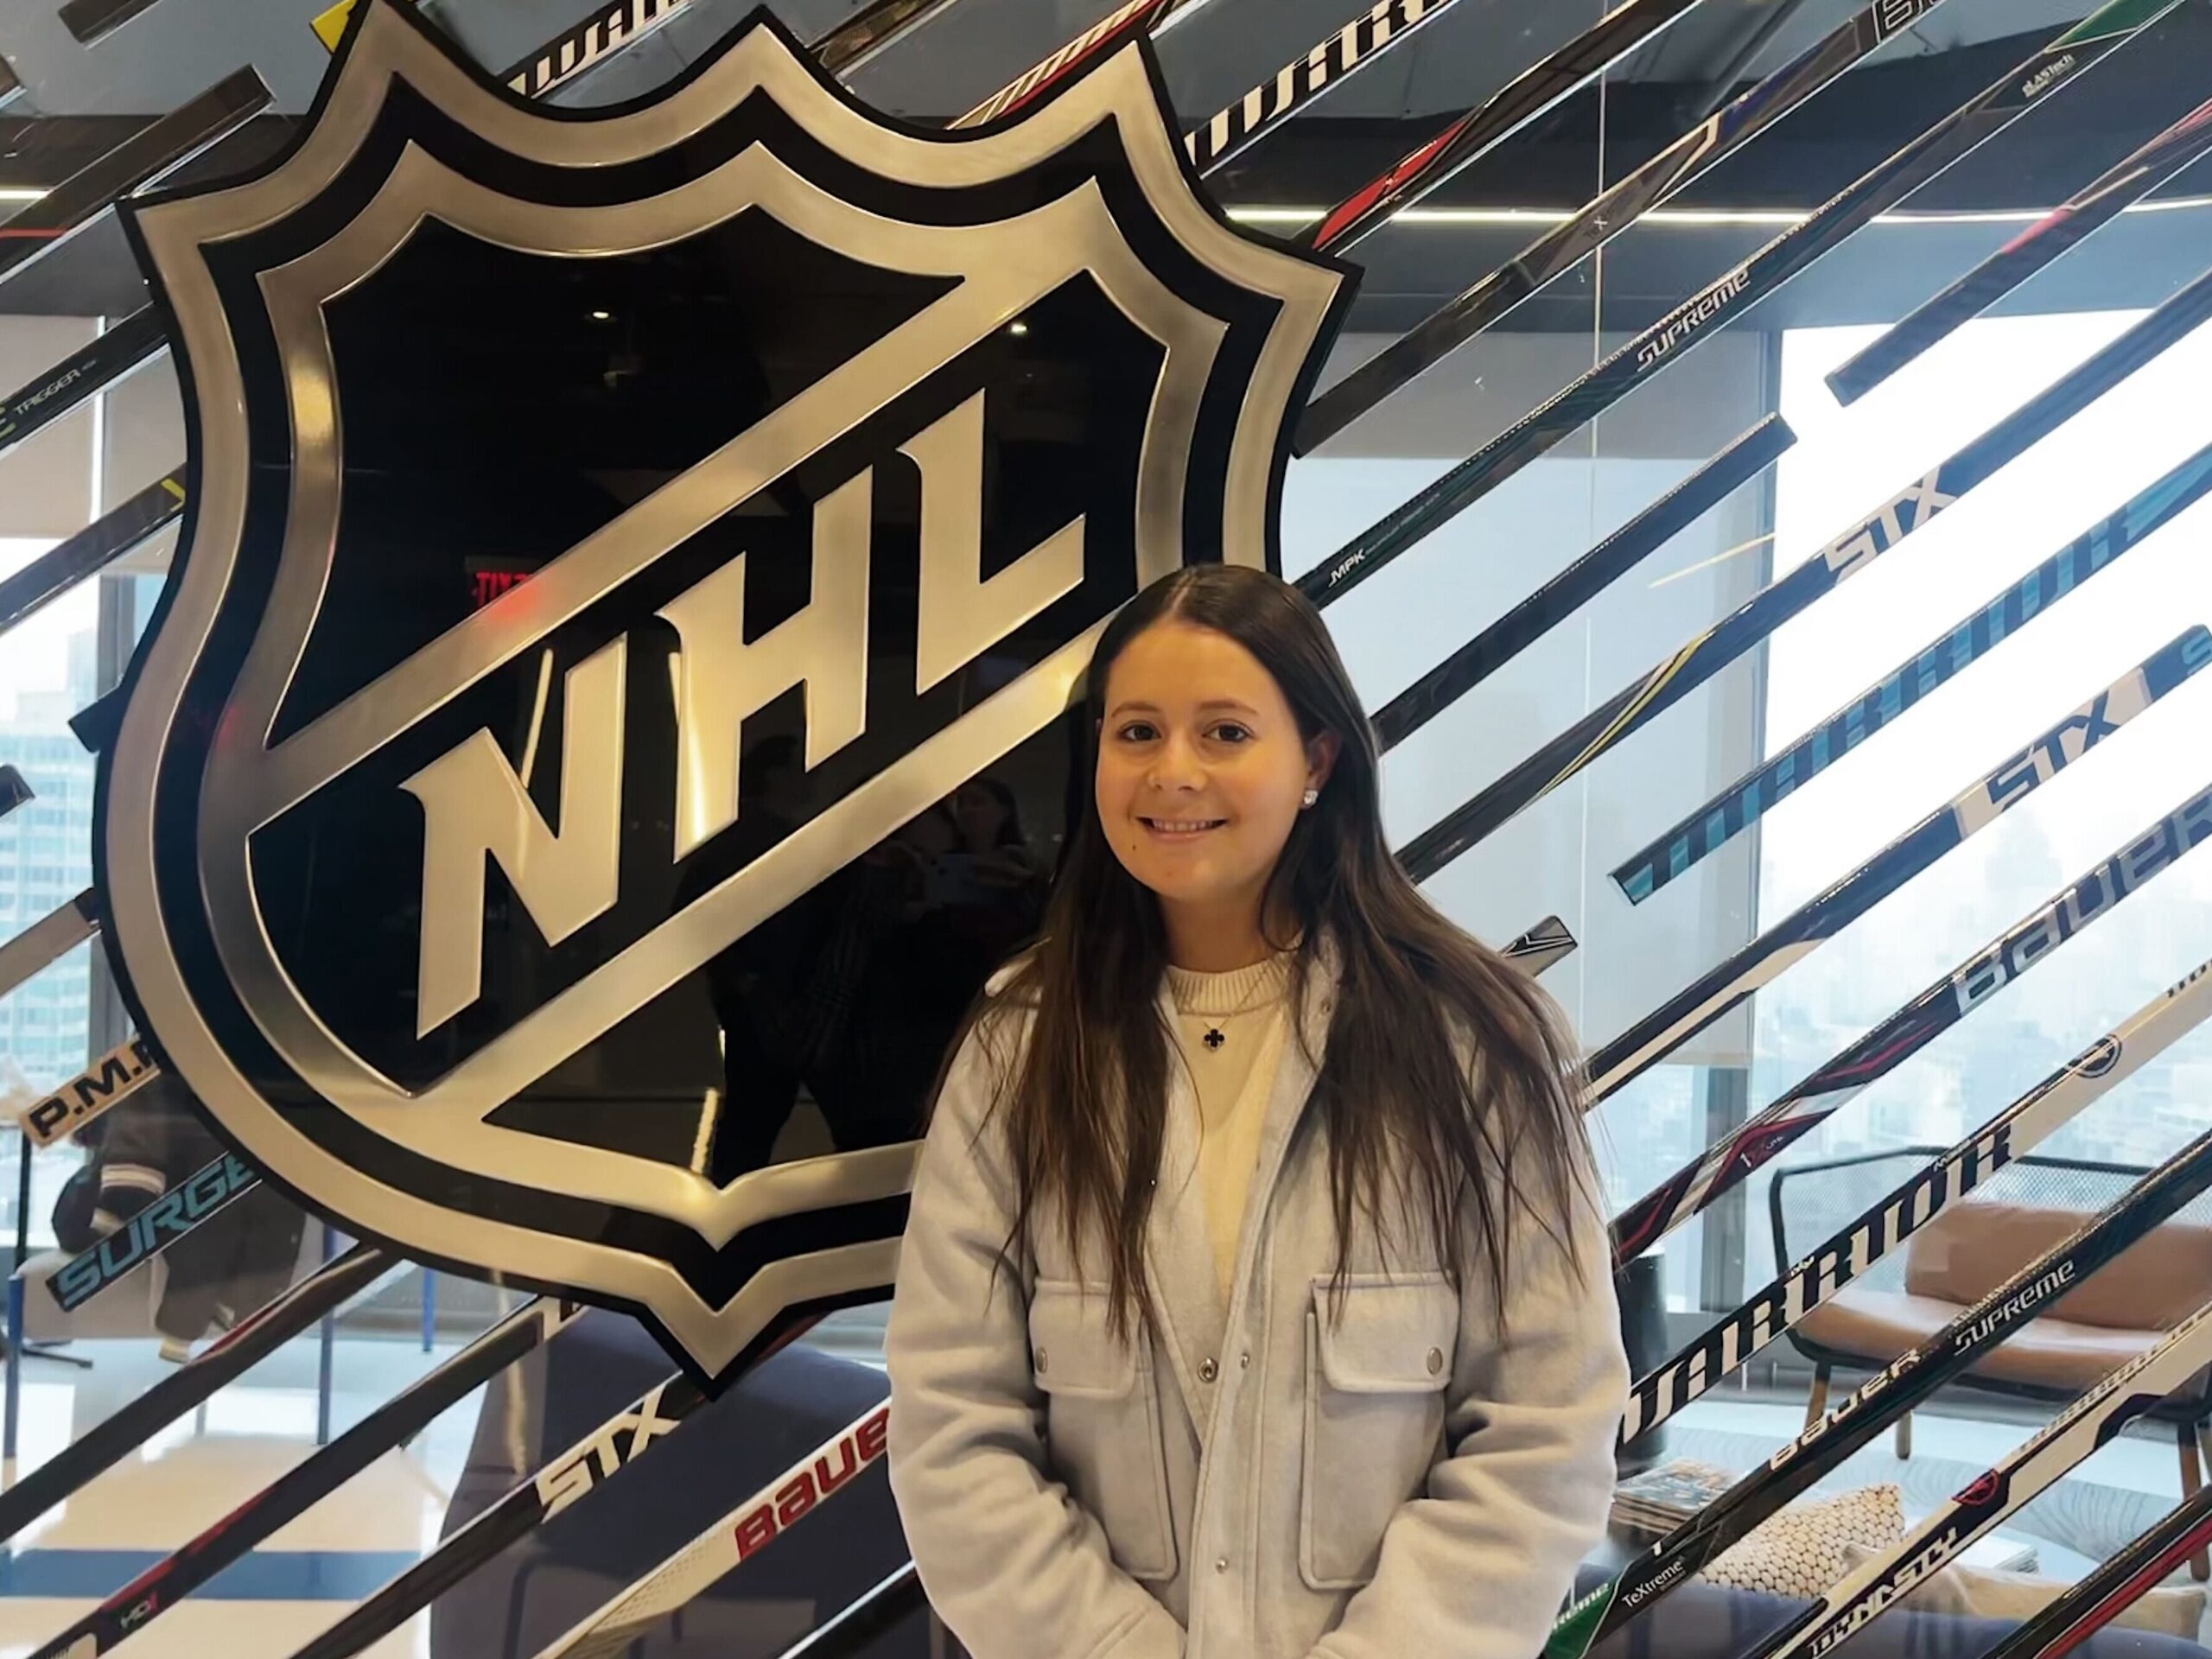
1255,1303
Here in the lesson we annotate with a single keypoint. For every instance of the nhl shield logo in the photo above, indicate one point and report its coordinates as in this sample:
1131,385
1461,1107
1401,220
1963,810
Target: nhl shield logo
638,567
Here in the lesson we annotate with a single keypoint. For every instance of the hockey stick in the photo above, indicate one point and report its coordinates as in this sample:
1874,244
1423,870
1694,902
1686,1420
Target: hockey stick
1779,948
1552,255
1854,1248
89,20
107,1442
1911,1028
106,1082
1303,79
1905,1385
161,1585
146,156
1628,710
2098,1416
99,544
2096,1601
1482,129
152,1231
128,344
574,1474
1581,582
617,27
879,1608
1745,802
2082,215
60,931
799,1492
1701,317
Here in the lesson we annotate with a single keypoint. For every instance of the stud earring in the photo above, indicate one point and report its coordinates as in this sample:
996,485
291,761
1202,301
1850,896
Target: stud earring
1311,795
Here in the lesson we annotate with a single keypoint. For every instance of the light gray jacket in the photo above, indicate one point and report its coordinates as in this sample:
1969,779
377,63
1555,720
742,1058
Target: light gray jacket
1390,1484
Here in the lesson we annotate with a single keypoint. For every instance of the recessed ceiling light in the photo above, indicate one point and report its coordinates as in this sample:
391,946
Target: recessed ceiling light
1017,328
600,316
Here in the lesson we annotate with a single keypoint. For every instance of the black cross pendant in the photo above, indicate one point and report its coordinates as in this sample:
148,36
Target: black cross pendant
1214,1039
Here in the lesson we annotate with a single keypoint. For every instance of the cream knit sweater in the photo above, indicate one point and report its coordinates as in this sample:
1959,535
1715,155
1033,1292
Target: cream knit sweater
1233,1080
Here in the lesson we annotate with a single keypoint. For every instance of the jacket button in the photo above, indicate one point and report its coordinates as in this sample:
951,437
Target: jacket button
1208,1371
1435,1361
1221,1563
1040,1362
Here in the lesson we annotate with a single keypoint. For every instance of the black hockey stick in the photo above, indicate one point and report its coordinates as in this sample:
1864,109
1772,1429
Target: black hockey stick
576,1473
99,544
2117,1400
106,1082
161,1585
1905,1385
1482,129
1633,708
117,351
1581,582
152,1231
877,1612
1762,960
1552,255
2096,1601
1847,1254
1303,79
2065,227
1681,330
803,1489
2013,953
144,156
88,20
1732,810
615,27
46,940
106,1443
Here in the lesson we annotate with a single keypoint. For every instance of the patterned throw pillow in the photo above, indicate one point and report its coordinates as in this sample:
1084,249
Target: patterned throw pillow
1801,1551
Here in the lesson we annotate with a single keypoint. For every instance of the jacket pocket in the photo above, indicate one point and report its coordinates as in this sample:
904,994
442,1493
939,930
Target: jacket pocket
1102,1422
1375,1376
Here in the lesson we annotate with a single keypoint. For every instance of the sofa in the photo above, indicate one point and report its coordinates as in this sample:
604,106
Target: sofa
1969,1249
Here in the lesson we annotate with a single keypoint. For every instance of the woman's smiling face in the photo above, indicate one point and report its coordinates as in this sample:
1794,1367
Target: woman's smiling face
1202,770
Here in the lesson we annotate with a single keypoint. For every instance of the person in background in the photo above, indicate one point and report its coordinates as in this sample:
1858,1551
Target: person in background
1255,1301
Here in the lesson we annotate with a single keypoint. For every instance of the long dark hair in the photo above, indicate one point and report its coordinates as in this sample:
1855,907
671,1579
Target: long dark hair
1084,1102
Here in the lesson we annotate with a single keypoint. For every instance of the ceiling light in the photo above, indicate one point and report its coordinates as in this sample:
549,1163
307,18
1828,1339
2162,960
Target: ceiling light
22,192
